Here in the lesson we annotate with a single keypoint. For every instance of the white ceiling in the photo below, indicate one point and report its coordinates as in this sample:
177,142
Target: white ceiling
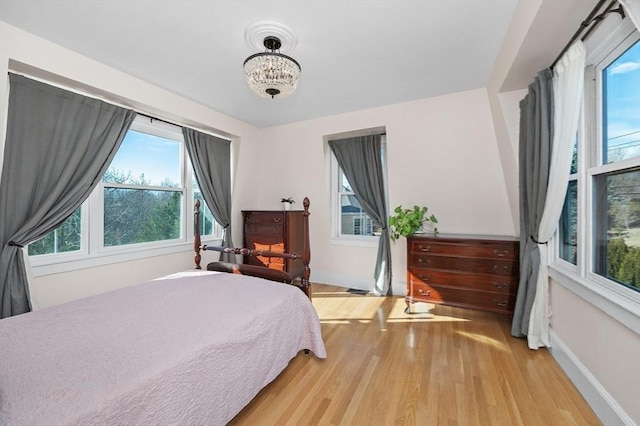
354,54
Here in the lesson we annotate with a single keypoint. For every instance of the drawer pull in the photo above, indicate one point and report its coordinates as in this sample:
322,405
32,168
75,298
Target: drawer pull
498,268
500,286
277,219
503,304
501,253
424,293
423,277
424,261
424,248
276,230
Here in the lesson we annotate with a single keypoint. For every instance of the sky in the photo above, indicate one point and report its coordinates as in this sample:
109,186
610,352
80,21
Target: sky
623,105
158,158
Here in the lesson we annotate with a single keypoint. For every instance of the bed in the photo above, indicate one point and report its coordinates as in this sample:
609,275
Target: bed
190,348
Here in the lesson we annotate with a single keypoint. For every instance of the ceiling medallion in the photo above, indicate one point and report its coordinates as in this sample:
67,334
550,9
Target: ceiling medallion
271,74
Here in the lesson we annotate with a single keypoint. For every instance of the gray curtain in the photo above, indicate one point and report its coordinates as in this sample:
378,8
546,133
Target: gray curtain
58,146
211,159
360,160
536,134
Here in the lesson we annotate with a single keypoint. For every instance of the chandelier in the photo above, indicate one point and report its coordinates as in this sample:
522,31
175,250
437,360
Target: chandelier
271,73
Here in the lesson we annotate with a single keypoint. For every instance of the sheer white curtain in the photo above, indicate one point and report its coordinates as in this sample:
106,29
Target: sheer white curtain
568,87
632,9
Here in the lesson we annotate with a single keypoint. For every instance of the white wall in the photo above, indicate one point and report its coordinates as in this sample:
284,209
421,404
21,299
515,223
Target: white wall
32,54
600,354
441,152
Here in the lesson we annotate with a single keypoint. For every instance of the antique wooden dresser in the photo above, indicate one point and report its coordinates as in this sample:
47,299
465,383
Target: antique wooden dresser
274,230
467,271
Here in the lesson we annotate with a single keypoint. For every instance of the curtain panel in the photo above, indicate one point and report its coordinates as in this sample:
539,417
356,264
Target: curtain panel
58,146
536,134
548,128
360,160
568,87
211,159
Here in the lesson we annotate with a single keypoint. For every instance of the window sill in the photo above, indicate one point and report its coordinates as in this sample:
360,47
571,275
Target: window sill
369,242
622,307
41,267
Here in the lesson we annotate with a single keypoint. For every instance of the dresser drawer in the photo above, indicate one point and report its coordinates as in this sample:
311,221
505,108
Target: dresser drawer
267,218
263,234
480,282
465,298
479,265
465,248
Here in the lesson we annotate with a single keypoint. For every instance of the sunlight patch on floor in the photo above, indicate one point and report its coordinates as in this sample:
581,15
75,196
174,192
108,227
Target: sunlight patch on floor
398,315
360,309
484,339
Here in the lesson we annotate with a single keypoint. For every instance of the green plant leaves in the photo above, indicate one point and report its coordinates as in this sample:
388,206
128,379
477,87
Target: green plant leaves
407,222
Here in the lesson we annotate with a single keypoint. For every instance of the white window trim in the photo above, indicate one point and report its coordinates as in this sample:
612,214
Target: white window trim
93,253
616,300
337,238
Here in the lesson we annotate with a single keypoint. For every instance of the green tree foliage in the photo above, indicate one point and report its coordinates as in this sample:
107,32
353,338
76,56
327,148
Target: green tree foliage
623,262
65,238
630,268
140,215
616,252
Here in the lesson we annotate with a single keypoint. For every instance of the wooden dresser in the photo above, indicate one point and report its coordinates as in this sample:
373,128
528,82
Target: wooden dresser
466,271
274,230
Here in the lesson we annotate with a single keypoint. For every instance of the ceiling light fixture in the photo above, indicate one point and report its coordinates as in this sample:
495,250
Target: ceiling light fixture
272,74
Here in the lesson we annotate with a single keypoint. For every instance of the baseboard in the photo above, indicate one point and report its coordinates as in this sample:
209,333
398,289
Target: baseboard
323,277
602,403
331,278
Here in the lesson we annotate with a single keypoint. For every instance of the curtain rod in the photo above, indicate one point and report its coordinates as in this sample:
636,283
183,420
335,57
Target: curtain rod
152,118
593,20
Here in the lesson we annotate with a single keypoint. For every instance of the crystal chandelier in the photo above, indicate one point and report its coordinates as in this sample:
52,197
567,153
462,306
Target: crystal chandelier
270,73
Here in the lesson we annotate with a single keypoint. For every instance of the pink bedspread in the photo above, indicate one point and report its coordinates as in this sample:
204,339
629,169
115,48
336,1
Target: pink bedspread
192,348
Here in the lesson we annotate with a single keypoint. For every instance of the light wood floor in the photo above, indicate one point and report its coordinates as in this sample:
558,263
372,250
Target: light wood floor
449,366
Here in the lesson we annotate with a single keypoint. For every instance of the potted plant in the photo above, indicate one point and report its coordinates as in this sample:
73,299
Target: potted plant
286,203
406,222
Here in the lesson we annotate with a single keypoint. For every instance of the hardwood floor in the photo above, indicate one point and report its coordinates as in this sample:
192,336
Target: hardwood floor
447,366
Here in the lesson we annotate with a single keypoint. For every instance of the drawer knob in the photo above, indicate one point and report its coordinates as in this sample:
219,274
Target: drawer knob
424,293
276,230
502,268
424,261
423,277
277,219
500,303
424,248
501,253
500,285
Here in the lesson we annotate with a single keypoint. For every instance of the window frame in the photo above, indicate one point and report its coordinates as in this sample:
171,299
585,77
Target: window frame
94,253
337,237
163,130
617,300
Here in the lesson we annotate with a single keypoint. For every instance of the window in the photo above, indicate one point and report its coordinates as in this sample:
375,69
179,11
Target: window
143,190
351,214
599,230
65,238
350,220
144,200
